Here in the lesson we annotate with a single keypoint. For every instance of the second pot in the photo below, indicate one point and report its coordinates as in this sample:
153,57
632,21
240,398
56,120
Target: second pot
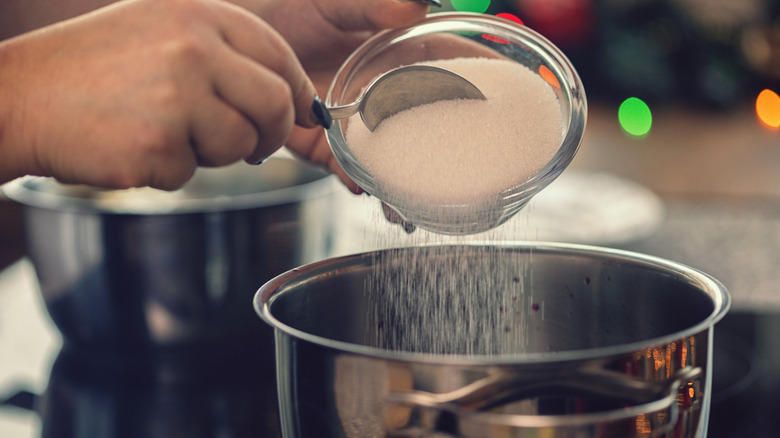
143,274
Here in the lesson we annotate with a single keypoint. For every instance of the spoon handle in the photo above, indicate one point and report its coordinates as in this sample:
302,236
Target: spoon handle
344,111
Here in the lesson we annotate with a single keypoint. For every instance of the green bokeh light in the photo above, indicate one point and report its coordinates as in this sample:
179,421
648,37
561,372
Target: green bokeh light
635,117
478,6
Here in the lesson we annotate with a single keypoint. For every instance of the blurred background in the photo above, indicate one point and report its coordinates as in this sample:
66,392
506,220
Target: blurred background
681,159
703,54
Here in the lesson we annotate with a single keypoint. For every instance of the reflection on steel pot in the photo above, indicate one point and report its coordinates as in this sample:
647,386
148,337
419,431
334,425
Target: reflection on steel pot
611,343
148,272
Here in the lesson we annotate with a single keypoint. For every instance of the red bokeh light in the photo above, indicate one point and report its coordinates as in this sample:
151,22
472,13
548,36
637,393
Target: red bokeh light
510,17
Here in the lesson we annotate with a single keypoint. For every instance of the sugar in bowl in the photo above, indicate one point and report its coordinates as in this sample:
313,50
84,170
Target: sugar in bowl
462,166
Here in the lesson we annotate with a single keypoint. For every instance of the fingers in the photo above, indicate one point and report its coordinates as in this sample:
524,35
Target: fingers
263,97
385,14
262,79
394,217
353,15
310,144
221,135
258,41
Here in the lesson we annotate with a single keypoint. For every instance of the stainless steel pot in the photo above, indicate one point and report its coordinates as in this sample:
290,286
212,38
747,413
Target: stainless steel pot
145,274
522,340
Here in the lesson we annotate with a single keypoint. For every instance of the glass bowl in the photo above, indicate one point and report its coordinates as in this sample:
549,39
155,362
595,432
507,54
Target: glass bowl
454,35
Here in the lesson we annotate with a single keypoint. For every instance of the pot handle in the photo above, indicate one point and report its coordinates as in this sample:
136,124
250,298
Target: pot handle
462,410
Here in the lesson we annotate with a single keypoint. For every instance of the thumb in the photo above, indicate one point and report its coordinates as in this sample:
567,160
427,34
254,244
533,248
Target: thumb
355,15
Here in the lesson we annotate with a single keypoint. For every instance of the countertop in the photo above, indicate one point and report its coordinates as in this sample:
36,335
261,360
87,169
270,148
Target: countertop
718,174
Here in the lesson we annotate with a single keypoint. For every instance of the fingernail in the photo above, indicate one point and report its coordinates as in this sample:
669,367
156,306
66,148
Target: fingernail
320,114
258,162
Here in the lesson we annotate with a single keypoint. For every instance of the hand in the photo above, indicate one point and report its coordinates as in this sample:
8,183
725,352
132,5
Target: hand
394,217
141,92
323,33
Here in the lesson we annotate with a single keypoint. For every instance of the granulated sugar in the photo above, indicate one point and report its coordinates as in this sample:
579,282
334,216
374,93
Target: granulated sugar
451,298
465,150
463,300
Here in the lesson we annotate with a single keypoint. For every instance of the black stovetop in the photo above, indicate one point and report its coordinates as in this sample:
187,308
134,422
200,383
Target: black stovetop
90,396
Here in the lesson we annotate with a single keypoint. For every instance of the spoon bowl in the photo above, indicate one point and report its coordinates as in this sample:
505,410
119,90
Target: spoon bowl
404,88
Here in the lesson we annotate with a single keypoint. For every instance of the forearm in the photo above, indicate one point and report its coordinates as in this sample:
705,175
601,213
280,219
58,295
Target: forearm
12,152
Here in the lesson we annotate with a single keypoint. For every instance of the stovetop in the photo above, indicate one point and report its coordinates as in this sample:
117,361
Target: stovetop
48,391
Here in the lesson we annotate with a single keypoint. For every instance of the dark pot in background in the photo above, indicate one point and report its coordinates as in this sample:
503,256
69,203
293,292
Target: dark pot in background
151,276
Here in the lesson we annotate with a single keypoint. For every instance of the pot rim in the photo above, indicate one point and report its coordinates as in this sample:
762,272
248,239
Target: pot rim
717,292
27,191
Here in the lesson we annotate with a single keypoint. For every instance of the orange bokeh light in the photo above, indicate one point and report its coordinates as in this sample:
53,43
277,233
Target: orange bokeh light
549,76
768,108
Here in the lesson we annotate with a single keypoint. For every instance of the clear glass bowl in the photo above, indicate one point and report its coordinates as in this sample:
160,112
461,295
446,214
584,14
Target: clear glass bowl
453,35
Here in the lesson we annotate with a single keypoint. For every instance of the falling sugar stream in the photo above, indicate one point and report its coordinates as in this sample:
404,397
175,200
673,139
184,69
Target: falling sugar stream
446,301
458,300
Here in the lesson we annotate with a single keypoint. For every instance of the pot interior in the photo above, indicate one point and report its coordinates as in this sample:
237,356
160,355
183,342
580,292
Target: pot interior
493,300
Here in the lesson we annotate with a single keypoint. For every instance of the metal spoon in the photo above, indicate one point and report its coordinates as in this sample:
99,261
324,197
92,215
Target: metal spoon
403,88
